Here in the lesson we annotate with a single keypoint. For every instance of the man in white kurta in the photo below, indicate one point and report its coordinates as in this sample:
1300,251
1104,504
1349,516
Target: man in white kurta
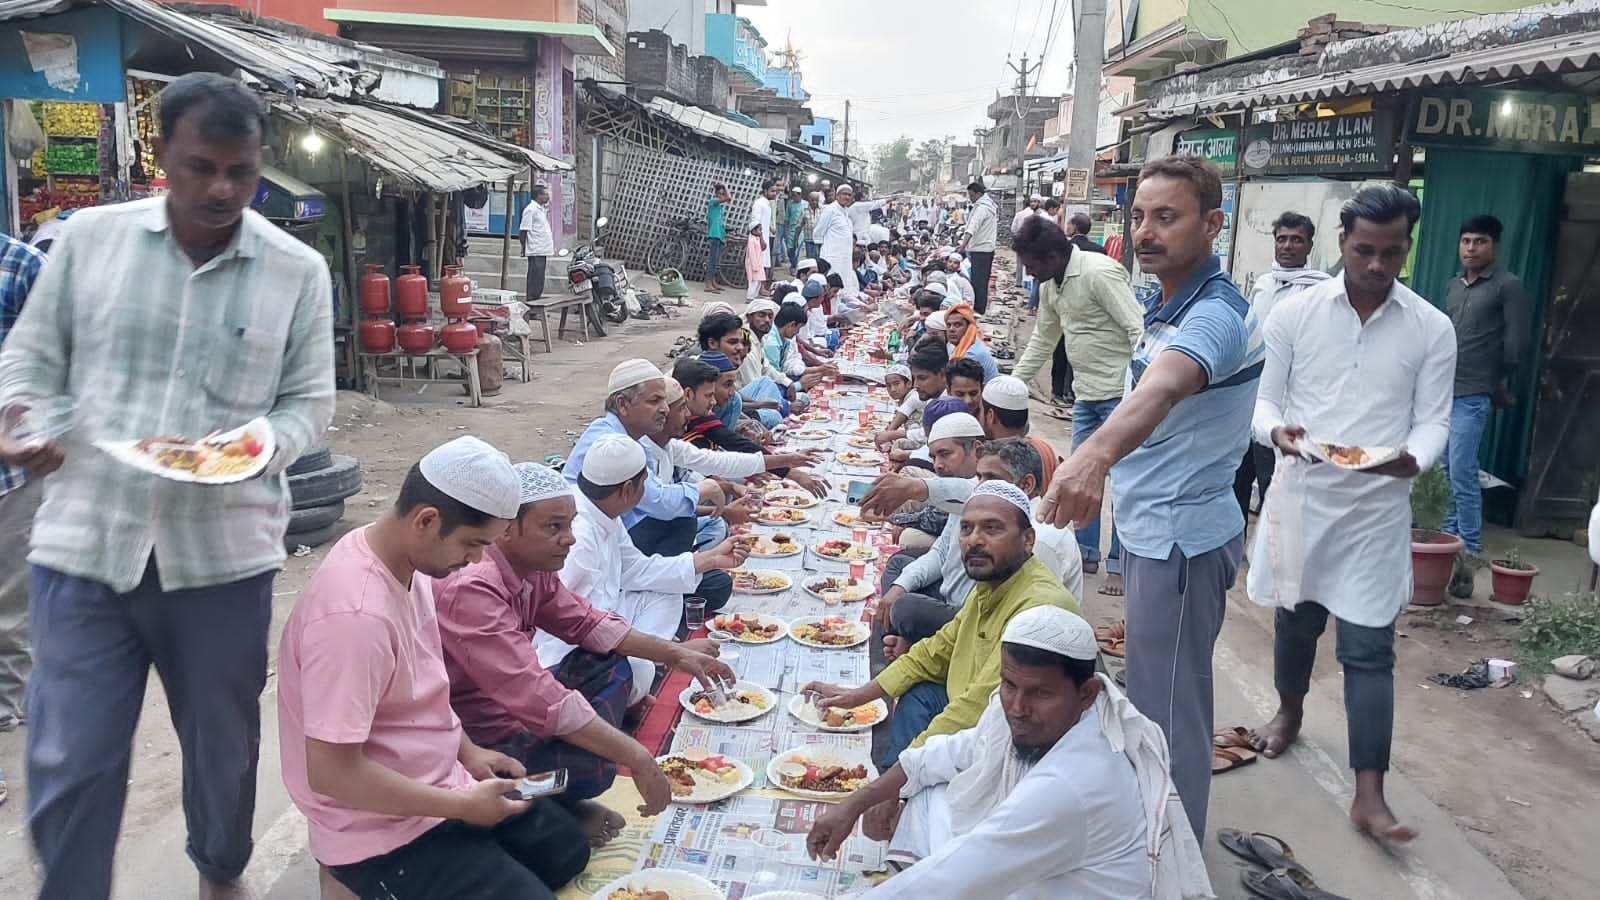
1061,790
1359,361
605,568
836,238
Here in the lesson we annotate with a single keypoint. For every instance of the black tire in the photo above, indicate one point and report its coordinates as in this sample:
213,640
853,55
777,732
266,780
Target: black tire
592,310
731,273
615,309
317,538
313,518
315,459
341,479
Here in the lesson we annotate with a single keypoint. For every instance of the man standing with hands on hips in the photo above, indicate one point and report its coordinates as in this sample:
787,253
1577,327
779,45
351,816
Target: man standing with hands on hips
1171,447
538,241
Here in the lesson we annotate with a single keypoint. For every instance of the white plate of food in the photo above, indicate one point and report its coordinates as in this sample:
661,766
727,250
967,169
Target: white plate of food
760,581
850,517
223,458
812,434
859,458
837,718
773,546
660,884
1347,456
850,590
780,484
782,515
747,701
863,443
793,499
787,895
819,774
845,551
750,628
829,632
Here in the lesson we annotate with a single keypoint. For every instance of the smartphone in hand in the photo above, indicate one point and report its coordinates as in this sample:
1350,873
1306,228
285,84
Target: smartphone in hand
544,784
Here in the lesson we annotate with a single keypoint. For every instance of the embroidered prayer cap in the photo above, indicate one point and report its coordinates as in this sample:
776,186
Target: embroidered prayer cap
904,371
674,390
472,472
1006,392
844,189
761,305
719,359
936,321
1053,629
956,425
631,372
936,287
613,459
540,482
953,254
1006,491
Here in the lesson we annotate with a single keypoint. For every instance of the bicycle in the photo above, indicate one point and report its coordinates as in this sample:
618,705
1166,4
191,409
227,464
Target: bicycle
675,249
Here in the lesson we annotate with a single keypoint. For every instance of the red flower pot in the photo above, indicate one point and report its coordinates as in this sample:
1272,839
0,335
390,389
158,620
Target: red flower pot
1510,585
1433,559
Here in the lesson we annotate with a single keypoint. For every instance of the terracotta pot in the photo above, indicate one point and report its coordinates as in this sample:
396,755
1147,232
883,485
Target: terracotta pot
1433,559
1510,585
415,339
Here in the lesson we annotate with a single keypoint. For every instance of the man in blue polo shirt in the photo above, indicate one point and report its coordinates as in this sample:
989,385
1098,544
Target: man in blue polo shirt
1171,449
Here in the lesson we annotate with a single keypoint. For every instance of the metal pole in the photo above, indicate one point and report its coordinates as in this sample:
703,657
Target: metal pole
505,239
1090,61
844,167
1022,122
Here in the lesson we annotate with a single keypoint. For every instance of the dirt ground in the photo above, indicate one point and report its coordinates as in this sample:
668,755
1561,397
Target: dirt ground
1513,784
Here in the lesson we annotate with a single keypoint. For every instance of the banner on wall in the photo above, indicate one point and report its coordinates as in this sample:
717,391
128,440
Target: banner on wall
1517,121
1329,145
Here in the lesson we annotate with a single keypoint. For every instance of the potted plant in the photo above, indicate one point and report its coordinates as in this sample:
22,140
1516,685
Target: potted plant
1512,578
1433,552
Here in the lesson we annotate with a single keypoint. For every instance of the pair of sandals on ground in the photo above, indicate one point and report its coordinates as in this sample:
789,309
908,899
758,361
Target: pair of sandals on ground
1285,878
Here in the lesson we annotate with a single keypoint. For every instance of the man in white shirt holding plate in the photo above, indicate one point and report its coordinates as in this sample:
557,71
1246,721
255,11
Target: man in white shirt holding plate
1362,362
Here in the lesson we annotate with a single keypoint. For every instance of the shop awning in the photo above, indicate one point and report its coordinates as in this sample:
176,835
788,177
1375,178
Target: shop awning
277,69
428,151
581,39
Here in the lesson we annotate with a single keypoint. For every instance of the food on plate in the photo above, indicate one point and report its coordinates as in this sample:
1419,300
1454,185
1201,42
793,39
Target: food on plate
703,703
799,771
840,717
847,550
830,631
759,580
1346,456
850,589
207,459
780,514
641,894
779,544
864,442
848,517
853,458
749,627
780,484
684,775
792,499
811,434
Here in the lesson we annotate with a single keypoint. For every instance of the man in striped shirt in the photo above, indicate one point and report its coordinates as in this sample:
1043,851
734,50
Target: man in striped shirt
180,315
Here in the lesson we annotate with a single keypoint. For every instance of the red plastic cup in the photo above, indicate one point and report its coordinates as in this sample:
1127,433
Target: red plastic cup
863,417
858,570
859,534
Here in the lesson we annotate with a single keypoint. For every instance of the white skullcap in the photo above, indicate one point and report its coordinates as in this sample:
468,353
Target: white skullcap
1053,629
674,390
936,287
716,306
952,255
540,482
940,278
956,425
1006,392
1005,490
613,459
470,471
806,264
935,320
631,372
761,305
904,371
818,277
844,187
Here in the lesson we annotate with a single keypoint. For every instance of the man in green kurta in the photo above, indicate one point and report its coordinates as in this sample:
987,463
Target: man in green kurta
943,683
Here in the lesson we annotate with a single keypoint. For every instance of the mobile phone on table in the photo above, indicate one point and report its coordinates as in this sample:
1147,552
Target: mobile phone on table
544,784
858,490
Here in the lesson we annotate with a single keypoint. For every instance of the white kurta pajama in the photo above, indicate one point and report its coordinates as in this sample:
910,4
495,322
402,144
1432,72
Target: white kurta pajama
1387,383
836,243
1086,821
605,568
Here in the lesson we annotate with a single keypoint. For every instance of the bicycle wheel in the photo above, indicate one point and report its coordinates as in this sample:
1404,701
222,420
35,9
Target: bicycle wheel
656,259
731,270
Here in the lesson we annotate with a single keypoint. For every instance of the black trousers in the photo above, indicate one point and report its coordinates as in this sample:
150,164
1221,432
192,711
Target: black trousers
1060,371
670,537
536,276
982,265
526,857
1255,469
1367,655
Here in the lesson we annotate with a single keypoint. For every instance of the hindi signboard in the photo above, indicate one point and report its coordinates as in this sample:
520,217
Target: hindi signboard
1219,145
1327,145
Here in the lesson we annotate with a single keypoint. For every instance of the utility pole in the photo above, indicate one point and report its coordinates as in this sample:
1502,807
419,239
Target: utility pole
845,166
1087,36
1023,107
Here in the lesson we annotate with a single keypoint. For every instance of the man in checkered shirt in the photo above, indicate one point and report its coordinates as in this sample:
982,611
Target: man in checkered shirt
19,499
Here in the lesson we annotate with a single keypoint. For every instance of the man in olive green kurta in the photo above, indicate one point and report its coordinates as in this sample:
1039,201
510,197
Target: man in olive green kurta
943,683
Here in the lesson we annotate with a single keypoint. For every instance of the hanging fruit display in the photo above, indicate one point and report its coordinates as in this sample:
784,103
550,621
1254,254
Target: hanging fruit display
63,119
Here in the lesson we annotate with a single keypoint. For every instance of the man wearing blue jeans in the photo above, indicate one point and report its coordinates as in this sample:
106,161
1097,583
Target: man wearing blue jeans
716,232
1085,300
1490,310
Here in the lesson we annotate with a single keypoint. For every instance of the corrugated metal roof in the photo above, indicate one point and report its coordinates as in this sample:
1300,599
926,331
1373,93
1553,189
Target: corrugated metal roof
423,150
278,68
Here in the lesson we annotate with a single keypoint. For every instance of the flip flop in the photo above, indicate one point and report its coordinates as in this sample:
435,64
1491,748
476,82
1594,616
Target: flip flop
1237,736
1226,759
1112,639
1261,848
1284,884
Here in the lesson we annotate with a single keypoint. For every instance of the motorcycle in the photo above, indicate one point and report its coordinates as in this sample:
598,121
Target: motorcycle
610,282
581,278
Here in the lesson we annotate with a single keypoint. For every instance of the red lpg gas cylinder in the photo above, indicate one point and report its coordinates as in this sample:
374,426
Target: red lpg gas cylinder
459,337
411,294
416,339
491,364
455,293
377,336
375,291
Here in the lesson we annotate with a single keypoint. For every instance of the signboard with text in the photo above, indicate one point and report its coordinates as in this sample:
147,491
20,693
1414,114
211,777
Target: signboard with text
1219,145
1328,145
1518,121
1077,185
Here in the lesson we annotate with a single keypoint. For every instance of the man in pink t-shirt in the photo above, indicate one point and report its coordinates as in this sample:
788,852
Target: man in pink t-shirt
565,717
400,803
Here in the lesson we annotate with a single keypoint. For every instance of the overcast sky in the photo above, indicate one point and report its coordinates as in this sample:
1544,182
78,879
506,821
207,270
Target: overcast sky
922,68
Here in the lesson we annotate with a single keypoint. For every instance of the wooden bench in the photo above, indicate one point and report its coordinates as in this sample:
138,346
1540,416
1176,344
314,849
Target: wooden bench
566,303
410,371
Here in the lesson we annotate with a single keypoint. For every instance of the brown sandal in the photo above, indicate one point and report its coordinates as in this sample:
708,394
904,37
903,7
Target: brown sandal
1112,638
1226,759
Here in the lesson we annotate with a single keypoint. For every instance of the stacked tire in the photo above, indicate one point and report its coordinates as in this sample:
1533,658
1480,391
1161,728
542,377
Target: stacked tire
319,483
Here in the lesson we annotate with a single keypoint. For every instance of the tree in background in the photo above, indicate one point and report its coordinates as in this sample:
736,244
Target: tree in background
892,166
929,158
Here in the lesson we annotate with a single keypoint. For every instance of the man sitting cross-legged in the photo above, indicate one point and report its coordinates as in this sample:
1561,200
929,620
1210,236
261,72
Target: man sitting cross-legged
1060,790
566,717
943,683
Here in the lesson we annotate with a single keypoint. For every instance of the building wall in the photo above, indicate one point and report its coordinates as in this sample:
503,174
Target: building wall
787,82
655,60
309,12
611,17
737,43
684,20
1251,25
819,137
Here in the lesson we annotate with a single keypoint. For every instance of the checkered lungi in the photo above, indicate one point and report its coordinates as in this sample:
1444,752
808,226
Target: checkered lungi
604,679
